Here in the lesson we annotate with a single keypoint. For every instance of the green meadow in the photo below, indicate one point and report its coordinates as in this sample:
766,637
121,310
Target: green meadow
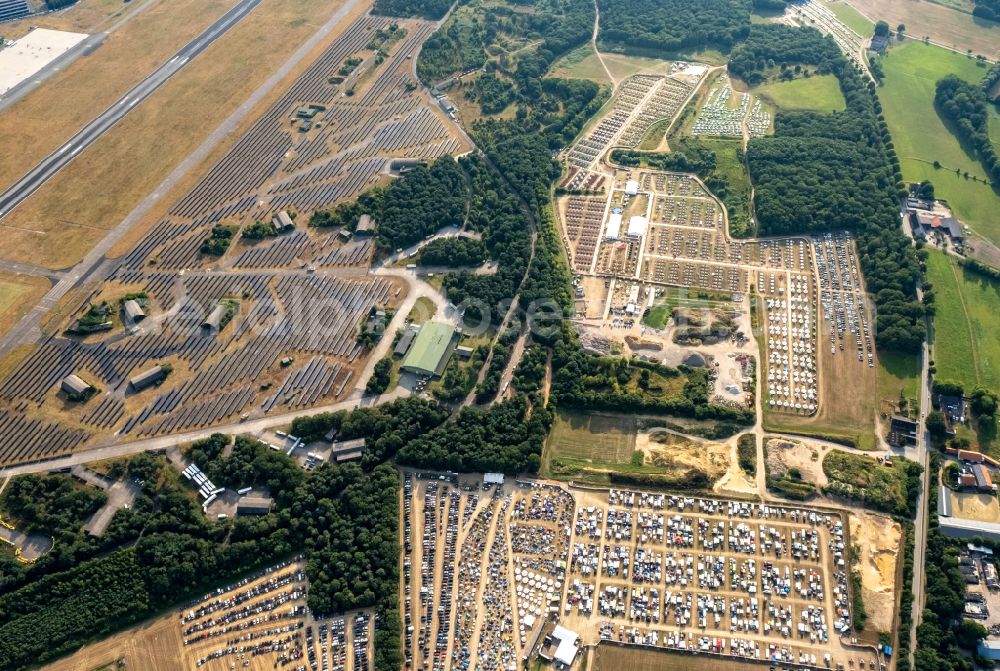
818,93
921,137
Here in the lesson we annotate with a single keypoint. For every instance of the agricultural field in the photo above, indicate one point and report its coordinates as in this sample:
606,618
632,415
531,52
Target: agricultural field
965,347
946,26
819,93
921,137
591,438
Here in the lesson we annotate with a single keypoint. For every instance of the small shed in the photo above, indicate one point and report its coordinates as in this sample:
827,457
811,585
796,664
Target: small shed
74,386
282,222
347,450
133,311
403,346
148,378
213,322
366,225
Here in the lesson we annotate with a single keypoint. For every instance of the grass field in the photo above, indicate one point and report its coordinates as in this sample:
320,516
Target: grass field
580,439
819,93
921,137
966,347
729,165
582,63
423,310
898,373
72,211
852,18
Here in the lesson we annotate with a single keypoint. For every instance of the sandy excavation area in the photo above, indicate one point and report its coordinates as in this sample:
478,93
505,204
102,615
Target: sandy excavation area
785,453
735,481
878,539
683,456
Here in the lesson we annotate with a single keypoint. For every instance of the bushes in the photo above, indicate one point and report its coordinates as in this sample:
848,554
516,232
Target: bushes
55,505
379,381
891,489
746,449
218,240
453,252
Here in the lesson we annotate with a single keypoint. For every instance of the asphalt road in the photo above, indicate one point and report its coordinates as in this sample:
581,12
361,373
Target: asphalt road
62,156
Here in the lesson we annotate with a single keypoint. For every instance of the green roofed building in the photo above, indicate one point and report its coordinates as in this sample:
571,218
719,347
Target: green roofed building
431,349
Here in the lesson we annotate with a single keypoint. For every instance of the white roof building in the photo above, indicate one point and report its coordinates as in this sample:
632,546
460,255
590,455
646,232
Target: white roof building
632,187
614,225
567,648
493,478
637,226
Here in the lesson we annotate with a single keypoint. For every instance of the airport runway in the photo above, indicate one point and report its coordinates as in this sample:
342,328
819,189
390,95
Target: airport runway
62,156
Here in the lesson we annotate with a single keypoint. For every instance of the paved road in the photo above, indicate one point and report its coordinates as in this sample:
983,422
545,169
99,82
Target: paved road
62,156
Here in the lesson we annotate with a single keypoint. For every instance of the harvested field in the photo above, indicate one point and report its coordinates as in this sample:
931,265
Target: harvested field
948,27
878,538
783,454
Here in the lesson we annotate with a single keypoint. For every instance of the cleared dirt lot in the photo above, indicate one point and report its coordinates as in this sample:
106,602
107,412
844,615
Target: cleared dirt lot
60,222
878,539
783,454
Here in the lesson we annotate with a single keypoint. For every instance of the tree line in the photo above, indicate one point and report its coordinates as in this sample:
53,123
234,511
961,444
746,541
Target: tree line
835,171
672,25
967,107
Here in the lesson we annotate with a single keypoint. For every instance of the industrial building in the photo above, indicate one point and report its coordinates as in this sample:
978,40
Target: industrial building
254,505
133,311
431,350
347,450
405,341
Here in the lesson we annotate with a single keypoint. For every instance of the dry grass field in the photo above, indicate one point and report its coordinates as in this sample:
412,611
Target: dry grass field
41,121
86,16
94,193
841,416
17,294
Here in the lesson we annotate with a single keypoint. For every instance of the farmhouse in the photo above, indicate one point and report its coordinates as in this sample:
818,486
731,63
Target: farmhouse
431,350
148,378
924,223
75,387
133,311
902,430
984,482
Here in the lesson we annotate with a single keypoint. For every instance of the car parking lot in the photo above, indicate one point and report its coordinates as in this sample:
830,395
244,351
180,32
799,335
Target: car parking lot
262,622
485,567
